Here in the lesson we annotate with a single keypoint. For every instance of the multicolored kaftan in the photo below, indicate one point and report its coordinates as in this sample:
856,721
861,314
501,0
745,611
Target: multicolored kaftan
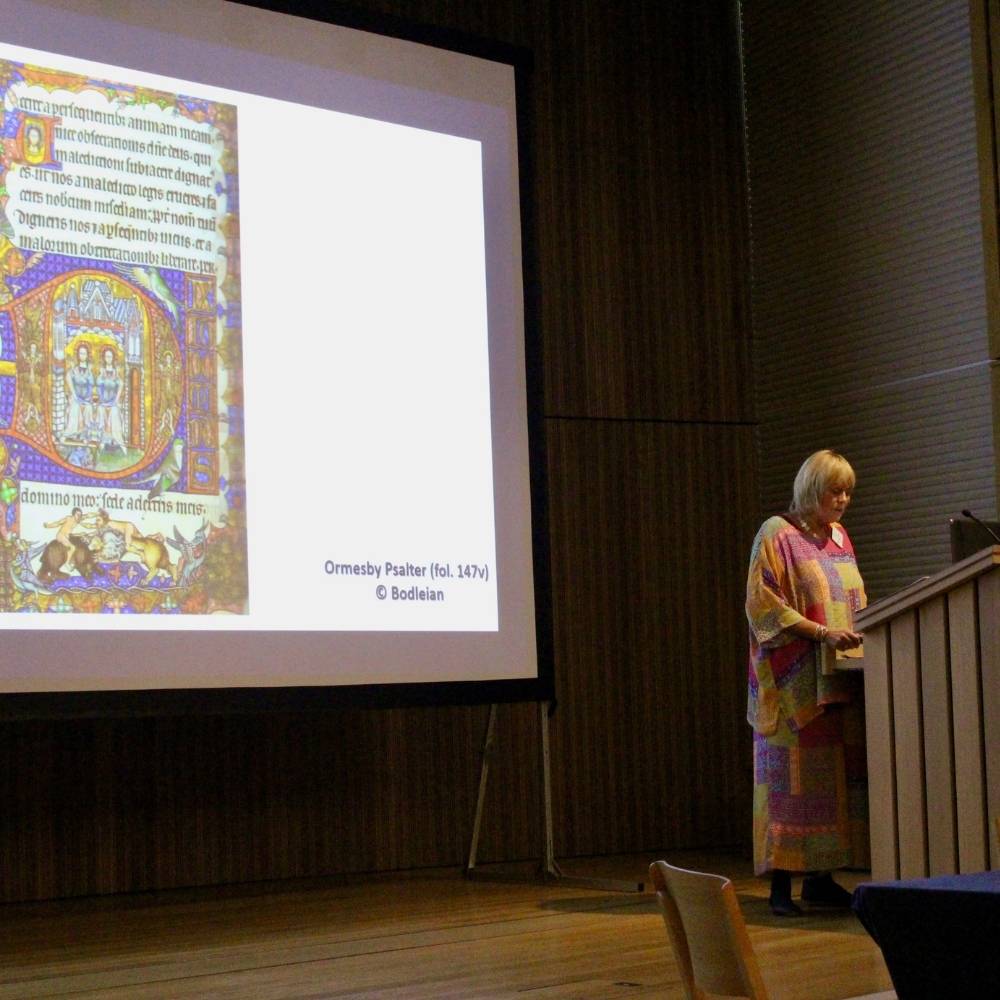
810,798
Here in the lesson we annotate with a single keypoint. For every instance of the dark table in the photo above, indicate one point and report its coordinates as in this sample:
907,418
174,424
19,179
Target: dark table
940,936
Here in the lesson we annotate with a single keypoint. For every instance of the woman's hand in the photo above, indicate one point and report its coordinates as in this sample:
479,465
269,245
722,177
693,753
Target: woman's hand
842,638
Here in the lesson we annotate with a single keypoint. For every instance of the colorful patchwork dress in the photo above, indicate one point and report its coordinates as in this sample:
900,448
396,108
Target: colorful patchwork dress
810,804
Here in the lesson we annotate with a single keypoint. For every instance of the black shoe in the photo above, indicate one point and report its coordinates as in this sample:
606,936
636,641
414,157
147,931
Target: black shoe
780,899
784,907
821,890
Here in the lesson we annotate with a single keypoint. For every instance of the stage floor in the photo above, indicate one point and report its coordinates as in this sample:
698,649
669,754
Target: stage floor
429,935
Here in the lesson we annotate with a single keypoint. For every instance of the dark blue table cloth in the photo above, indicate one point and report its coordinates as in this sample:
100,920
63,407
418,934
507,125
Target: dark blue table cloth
940,936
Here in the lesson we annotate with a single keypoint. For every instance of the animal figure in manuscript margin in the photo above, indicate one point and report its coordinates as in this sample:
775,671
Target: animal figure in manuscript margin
151,279
56,553
192,552
22,575
154,556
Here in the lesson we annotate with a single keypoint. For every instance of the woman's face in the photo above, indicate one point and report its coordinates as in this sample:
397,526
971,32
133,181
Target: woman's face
109,359
81,355
833,502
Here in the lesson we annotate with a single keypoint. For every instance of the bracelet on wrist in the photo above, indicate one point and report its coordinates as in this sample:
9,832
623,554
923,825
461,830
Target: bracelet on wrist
821,633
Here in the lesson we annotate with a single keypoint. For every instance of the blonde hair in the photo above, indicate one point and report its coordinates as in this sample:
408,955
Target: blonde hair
820,471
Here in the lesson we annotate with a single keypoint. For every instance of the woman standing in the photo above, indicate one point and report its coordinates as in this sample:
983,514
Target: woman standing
803,590
80,392
109,394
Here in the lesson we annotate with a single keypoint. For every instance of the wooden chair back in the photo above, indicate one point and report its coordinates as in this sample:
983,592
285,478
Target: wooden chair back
707,933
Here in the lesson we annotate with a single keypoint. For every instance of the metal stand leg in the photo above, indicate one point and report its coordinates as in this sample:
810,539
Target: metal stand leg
549,869
484,771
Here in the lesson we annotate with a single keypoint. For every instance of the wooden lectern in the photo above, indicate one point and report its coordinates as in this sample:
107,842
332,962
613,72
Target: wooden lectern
932,705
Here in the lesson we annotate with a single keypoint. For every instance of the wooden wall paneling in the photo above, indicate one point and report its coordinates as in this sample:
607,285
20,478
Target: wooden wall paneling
272,821
939,750
78,845
243,798
967,706
719,525
243,783
707,322
409,822
346,764
395,755
984,16
995,399
650,634
989,641
299,780
453,776
908,725
985,33
27,834
514,808
880,739
644,238
196,806
591,658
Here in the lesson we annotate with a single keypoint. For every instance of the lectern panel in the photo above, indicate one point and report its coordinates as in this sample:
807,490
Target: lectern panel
970,775
879,730
909,739
939,747
989,646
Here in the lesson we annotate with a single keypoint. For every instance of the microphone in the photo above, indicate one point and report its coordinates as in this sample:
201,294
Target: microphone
982,524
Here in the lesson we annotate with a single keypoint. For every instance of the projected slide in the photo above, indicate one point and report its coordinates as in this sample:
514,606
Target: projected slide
245,375
264,388
120,374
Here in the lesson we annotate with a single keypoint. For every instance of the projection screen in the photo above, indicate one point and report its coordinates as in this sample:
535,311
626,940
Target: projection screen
264,414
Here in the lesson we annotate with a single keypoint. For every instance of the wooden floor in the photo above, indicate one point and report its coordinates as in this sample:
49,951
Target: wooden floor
421,935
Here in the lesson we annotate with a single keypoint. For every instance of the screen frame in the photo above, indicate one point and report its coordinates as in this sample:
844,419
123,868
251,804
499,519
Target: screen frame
255,700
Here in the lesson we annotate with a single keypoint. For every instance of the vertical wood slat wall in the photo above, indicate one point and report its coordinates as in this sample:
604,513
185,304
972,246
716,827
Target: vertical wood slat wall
932,676
871,332
642,250
984,17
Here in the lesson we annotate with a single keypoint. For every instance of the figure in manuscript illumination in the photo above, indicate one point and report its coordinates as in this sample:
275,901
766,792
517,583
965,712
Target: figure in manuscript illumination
80,393
109,391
